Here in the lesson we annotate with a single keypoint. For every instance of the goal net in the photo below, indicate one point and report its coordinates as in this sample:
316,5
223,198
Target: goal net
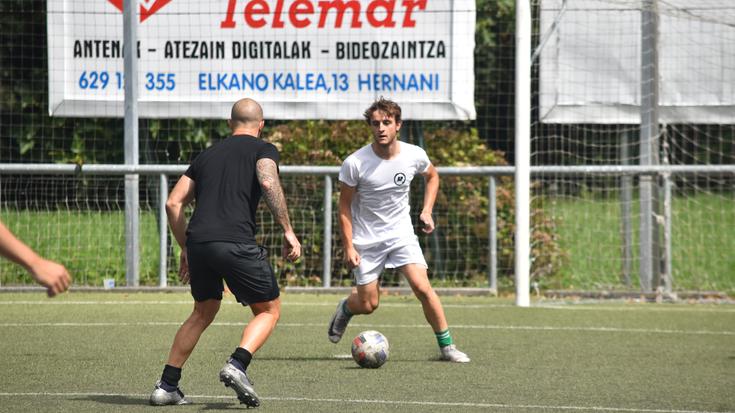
600,64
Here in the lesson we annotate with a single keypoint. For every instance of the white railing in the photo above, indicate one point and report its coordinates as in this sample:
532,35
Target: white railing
329,172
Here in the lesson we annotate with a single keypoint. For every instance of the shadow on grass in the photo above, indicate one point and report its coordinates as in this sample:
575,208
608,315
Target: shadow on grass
349,358
119,400
331,358
223,406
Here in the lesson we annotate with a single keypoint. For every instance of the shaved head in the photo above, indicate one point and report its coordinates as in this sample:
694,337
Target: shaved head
246,113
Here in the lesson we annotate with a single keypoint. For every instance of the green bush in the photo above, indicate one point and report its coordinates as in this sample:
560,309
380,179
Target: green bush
461,199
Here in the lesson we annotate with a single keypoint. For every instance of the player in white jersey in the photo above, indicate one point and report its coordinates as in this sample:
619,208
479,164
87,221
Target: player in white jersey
376,228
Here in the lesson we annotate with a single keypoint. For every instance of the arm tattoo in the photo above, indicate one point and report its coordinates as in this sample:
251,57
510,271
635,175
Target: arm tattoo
268,177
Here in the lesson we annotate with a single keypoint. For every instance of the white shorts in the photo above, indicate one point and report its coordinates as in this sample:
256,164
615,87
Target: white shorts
392,254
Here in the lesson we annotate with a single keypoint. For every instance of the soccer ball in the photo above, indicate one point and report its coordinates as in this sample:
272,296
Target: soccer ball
370,349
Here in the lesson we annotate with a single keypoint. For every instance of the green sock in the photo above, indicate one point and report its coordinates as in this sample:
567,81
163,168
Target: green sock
444,338
346,309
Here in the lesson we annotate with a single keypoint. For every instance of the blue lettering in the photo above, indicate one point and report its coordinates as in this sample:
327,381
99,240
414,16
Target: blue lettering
300,81
309,81
248,81
261,82
234,83
427,81
289,81
321,82
221,77
277,81
412,83
399,82
363,82
297,81
386,82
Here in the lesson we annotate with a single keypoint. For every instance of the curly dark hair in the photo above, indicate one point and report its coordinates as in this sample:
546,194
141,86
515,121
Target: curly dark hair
386,106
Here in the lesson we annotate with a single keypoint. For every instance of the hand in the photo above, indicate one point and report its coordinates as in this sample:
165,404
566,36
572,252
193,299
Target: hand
51,275
352,257
427,222
291,246
184,268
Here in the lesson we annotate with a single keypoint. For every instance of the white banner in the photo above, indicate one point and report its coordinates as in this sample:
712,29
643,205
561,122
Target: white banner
591,63
301,59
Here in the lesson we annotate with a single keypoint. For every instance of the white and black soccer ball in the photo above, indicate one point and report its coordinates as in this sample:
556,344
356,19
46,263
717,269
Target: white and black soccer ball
370,349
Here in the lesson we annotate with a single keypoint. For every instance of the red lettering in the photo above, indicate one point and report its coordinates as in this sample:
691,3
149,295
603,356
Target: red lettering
341,6
253,8
277,22
300,7
389,6
409,5
379,13
228,22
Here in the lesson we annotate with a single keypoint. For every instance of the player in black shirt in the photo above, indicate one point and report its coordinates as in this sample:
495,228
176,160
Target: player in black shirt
227,181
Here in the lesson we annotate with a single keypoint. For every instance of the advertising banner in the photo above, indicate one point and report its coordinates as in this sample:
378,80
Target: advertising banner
301,59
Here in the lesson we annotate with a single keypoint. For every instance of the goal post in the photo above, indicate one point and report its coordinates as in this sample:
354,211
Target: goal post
523,152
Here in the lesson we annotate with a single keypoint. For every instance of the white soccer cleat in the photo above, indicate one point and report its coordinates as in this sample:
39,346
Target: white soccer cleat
450,353
161,397
338,323
239,381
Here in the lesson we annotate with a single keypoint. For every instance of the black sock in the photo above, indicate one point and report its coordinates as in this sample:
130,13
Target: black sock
170,378
242,357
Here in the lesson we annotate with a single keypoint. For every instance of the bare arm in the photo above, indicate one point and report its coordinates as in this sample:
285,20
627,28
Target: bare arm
432,188
267,172
49,274
180,197
345,224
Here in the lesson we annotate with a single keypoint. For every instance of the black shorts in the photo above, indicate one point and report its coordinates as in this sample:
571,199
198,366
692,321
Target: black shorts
244,267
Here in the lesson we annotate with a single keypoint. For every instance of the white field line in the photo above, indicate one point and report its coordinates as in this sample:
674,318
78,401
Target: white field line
551,306
374,401
386,326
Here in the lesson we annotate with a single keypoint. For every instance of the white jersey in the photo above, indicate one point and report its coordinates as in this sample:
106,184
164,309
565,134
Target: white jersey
380,209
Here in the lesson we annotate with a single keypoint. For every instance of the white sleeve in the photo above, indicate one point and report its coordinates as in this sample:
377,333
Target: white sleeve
348,174
422,161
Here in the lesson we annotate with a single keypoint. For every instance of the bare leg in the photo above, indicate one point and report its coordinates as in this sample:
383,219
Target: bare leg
364,299
262,325
418,279
189,332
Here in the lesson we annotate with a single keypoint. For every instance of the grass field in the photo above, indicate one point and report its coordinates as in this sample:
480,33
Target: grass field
92,244
102,352
589,231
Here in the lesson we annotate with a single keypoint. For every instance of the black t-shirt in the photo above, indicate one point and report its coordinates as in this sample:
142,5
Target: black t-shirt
227,190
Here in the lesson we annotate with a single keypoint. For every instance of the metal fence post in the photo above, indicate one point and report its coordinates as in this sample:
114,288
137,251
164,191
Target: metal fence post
626,202
648,139
327,247
522,247
493,235
668,269
668,186
132,200
162,231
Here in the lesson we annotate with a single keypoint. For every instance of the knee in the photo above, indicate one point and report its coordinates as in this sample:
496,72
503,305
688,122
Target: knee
272,310
275,314
368,306
204,315
424,294
275,311
202,319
